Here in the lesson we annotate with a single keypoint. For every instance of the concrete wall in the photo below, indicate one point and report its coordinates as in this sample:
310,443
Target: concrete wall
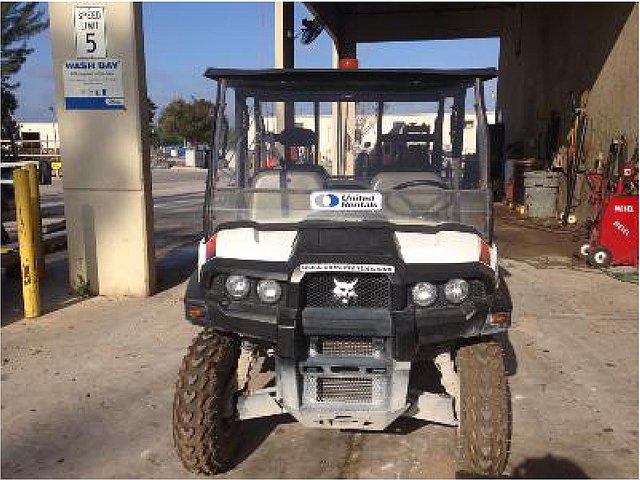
548,50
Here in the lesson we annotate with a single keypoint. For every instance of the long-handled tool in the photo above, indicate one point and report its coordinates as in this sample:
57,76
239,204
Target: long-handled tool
576,152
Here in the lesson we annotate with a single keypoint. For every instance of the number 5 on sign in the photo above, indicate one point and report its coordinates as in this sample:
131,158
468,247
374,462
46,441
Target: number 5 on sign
89,25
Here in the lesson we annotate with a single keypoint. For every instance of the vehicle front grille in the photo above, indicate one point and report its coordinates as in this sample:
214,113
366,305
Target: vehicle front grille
346,346
348,390
347,290
333,391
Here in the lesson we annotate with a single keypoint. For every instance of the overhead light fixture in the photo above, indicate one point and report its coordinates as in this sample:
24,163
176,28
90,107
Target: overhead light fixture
311,29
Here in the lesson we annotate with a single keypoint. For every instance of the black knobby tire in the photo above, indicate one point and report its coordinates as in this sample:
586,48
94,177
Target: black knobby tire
484,432
204,421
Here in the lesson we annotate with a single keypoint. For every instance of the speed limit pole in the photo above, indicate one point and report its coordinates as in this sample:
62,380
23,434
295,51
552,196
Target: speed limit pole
101,102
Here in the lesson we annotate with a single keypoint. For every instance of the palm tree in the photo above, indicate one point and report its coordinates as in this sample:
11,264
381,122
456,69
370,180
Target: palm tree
20,20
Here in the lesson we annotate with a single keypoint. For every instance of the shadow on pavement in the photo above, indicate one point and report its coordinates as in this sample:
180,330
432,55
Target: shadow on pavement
548,466
172,268
403,426
254,432
510,359
175,266
54,290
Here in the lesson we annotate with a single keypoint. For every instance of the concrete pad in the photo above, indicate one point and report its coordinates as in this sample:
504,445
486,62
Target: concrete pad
87,392
87,389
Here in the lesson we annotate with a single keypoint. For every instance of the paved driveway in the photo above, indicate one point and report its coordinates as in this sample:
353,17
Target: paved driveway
87,389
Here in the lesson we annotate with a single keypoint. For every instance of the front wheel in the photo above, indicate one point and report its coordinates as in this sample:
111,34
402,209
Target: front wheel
204,414
585,249
484,431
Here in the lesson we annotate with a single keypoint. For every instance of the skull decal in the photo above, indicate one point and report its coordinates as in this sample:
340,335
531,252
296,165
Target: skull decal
344,291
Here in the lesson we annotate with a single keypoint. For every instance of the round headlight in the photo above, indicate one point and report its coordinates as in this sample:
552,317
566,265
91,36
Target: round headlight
424,294
269,291
456,290
237,286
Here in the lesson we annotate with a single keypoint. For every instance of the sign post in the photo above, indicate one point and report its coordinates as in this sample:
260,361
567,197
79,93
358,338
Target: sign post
101,101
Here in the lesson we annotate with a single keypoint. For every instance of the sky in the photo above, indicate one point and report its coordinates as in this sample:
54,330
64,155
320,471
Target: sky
182,39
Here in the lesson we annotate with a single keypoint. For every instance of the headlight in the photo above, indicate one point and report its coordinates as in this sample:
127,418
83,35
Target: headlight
456,290
269,291
237,286
424,294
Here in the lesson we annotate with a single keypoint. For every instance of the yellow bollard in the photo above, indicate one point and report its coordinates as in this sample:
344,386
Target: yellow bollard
34,193
30,283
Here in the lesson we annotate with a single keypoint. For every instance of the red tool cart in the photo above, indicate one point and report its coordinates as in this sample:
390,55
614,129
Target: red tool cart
614,238
614,225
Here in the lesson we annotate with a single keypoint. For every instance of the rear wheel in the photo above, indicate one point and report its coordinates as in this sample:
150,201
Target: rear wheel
484,432
600,257
204,413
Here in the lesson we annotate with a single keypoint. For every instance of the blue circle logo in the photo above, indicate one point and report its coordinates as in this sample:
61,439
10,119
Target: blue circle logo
327,200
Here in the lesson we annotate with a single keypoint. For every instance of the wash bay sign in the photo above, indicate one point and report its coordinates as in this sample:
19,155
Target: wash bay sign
92,81
93,84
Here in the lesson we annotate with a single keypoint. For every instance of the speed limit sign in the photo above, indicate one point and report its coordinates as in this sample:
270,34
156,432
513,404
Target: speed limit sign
90,38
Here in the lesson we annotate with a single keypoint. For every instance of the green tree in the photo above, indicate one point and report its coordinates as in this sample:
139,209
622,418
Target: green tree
20,20
189,120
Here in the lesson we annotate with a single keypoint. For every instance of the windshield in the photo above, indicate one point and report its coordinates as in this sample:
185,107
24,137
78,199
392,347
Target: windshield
293,153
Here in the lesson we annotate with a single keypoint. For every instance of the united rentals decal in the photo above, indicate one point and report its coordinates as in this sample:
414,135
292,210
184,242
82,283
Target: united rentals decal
346,267
346,201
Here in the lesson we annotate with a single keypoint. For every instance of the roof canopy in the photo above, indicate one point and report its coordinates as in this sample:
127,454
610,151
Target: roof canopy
361,74
402,21
360,80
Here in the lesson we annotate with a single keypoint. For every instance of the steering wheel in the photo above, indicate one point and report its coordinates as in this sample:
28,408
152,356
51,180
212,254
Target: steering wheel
418,183
401,204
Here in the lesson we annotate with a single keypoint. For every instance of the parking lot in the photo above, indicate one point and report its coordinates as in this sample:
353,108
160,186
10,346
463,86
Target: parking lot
87,388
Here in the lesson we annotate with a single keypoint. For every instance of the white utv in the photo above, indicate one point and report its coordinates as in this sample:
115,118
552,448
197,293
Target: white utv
327,279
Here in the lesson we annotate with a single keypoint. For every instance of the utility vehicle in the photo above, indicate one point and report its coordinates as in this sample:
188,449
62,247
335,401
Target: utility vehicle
347,294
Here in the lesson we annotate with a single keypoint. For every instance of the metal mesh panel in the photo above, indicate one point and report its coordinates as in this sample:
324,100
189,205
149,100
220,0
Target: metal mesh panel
328,290
350,391
346,346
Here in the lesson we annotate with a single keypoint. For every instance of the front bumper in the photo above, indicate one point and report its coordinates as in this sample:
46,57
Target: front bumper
286,328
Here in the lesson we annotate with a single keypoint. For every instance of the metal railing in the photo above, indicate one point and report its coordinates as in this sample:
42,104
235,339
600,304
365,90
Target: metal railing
25,152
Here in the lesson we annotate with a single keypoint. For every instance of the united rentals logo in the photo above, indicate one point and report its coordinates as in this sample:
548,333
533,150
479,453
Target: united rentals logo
344,292
346,201
326,200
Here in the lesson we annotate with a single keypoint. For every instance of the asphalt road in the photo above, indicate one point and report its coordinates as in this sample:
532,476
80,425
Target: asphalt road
87,389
